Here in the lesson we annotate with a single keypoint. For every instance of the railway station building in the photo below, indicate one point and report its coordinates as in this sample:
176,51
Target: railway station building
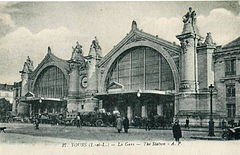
143,75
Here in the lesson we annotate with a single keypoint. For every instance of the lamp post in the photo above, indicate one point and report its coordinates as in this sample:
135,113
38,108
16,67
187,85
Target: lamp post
211,122
139,93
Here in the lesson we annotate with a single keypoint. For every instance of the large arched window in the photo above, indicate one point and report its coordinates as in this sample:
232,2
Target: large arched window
141,68
51,83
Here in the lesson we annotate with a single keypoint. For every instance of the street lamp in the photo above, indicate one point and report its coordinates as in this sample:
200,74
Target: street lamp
211,122
139,93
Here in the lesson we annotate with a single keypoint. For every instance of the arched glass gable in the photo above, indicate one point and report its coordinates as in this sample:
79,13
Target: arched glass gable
141,68
51,83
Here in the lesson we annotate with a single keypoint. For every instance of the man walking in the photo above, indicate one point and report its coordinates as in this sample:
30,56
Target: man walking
187,123
126,124
177,133
119,124
78,119
36,123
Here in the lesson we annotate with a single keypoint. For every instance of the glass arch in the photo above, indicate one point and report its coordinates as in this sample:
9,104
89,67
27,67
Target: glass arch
51,83
141,68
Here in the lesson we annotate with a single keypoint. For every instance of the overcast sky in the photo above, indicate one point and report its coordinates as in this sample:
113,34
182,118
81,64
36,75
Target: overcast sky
28,28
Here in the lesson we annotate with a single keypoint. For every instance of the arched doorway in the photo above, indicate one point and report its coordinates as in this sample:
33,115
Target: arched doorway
145,69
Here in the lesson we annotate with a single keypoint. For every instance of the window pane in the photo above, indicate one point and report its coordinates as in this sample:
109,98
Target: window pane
49,82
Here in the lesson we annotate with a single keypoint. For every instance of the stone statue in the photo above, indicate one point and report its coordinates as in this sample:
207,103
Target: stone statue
77,54
209,40
95,49
190,17
95,44
134,25
29,63
190,20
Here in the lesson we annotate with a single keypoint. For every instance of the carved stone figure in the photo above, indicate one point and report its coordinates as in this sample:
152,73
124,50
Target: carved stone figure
190,17
95,49
95,44
134,25
77,54
209,40
29,63
190,20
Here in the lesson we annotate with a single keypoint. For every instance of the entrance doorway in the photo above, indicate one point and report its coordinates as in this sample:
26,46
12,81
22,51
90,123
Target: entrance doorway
147,105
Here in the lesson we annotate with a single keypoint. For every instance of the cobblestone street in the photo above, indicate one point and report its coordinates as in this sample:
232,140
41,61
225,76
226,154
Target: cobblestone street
101,140
97,133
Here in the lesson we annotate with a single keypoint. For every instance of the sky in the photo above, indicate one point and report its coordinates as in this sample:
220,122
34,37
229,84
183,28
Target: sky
28,28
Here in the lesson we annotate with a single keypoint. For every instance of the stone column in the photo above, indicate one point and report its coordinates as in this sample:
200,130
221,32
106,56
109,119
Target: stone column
160,109
73,91
188,65
129,113
74,81
53,109
205,63
30,110
144,111
100,104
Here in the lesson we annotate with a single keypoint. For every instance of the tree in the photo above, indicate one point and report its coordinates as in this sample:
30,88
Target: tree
5,107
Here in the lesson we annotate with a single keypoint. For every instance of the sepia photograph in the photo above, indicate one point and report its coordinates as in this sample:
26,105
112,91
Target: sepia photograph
119,77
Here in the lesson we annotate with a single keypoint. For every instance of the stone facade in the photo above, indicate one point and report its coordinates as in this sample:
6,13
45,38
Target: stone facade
143,75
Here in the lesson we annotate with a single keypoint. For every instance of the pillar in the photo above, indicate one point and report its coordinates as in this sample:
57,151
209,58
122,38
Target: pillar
73,91
160,109
129,113
74,81
30,110
205,63
144,111
188,65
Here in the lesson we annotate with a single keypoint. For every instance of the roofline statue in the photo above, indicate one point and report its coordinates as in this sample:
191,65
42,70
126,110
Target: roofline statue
77,54
190,22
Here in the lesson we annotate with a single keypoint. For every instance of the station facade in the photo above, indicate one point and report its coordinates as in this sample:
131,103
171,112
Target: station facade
143,75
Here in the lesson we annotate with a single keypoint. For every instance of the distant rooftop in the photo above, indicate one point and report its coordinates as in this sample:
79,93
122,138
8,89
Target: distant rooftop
6,87
233,43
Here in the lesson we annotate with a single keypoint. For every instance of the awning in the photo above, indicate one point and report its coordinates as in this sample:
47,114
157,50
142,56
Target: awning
134,93
34,100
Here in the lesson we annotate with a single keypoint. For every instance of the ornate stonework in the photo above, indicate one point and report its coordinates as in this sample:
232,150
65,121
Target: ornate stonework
136,38
190,20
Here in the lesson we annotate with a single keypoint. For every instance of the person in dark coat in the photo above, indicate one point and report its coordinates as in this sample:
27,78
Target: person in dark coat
126,124
147,128
119,123
187,123
78,120
37,122
177,133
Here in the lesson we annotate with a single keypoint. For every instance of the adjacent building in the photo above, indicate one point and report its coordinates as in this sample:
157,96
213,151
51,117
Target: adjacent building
143,75
6,91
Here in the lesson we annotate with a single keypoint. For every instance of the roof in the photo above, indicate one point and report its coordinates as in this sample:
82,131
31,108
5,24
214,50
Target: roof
138,34
233,43
6,87
51,57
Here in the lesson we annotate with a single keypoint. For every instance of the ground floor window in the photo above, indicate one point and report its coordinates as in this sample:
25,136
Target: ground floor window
231,109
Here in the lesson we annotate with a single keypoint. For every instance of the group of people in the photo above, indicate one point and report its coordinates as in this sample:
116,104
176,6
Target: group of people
122,123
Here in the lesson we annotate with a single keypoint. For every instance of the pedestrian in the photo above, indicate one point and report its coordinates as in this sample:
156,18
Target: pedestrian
232,123
187,123
119,124
78,119
36,123
223,123
148,122
239,123
177,133
126,124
